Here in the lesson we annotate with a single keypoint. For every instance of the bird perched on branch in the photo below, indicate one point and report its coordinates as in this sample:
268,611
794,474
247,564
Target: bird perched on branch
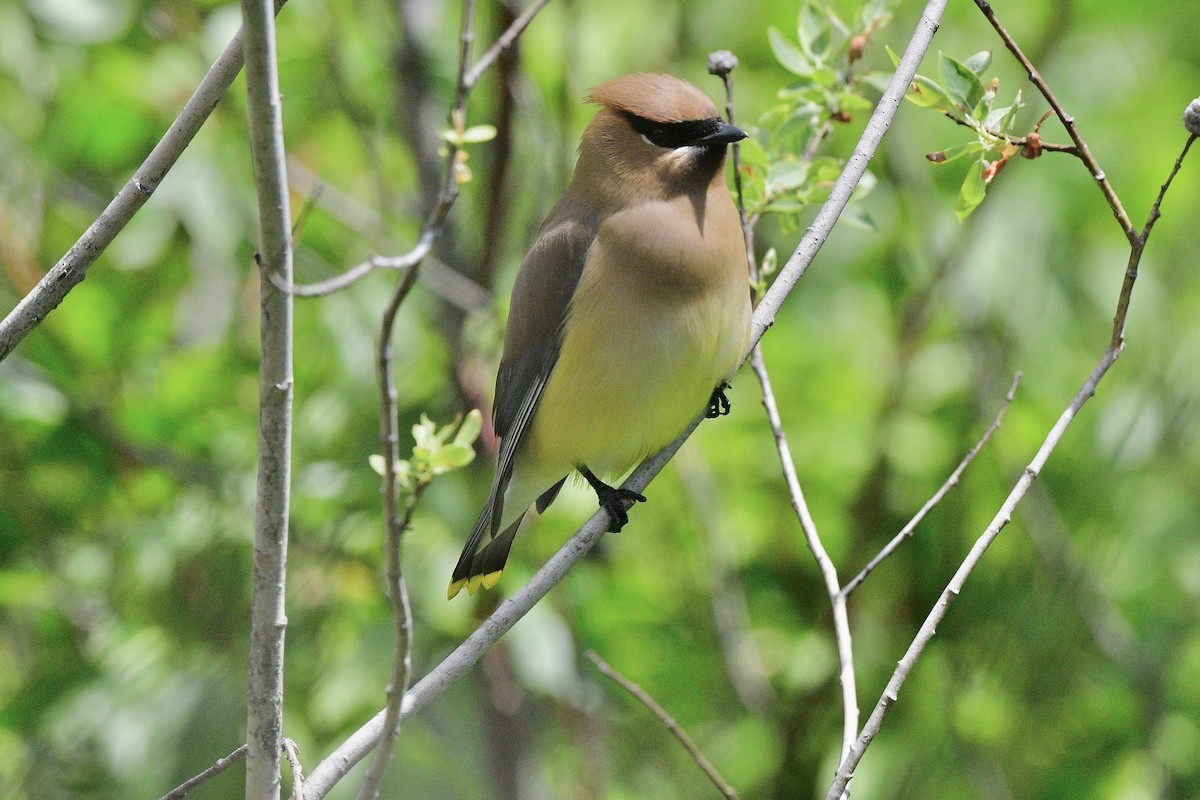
629,314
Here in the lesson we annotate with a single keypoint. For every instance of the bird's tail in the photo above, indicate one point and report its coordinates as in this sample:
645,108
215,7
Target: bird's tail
481,566
481,563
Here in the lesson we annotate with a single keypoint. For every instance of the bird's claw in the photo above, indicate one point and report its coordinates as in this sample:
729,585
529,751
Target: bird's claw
718,404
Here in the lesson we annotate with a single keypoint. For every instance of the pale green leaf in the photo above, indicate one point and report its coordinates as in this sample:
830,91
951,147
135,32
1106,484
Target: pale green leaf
972,191
788,55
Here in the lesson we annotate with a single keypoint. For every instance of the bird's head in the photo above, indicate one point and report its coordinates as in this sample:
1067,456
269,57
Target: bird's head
655,129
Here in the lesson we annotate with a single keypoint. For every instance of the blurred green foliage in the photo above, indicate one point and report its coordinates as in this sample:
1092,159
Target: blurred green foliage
1067,669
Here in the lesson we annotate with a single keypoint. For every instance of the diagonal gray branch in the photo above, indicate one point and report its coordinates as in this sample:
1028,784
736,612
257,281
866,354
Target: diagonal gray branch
72,268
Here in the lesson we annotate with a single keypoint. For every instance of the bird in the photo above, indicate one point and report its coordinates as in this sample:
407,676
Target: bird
629,314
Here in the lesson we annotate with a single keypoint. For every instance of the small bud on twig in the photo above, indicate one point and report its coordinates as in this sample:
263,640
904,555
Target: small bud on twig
858,43
1033,146
1191,117
721,63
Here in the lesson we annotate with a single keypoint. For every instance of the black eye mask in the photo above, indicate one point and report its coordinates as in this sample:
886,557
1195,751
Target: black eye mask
688,133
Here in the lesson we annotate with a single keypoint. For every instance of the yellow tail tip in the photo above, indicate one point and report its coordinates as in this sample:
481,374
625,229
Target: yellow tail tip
473,584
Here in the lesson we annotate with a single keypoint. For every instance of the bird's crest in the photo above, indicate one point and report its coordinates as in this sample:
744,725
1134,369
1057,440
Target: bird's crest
654,96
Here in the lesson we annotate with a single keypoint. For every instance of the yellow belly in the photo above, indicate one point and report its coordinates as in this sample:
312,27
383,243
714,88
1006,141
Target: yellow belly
626,384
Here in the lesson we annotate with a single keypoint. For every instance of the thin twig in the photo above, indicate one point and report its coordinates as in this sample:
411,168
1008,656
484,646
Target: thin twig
1049,147
437,218
268,618
505,41
668,722
339,762
1084,154
722,64
73,266
837,599
397,590
292,753
950,483
222,764
951,592
1135,252
1111,353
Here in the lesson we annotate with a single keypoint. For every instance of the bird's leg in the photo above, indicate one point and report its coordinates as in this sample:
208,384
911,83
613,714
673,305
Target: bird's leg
616,502
718,404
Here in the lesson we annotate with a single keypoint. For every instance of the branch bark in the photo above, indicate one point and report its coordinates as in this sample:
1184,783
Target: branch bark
268,622
72,268
668,722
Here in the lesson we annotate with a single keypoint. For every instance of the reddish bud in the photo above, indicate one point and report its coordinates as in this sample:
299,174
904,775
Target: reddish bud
858,43
1033,146
937,157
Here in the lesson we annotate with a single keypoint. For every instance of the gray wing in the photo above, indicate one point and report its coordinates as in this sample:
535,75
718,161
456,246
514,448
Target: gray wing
532,341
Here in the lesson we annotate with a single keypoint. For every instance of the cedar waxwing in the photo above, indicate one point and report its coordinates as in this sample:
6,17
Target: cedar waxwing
628,316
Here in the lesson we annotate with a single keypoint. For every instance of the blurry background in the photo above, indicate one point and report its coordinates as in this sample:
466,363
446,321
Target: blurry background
1069,668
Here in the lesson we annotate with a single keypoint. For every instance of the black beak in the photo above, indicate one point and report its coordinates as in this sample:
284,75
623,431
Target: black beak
724,134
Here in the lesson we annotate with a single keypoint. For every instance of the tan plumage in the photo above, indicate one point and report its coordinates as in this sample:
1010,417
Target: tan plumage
630,309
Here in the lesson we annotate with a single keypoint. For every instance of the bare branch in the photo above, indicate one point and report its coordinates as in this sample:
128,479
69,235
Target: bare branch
1111,353
437,218
505,41
950,483
929,626
1135,252
73,266
292,753
1049,147
668,722
222,764
1084,154
837,599
268,619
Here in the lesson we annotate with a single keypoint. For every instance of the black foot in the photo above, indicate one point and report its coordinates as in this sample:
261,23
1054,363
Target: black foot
616,502
718,404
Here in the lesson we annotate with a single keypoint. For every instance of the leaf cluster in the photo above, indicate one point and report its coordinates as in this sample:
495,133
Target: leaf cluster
436,451
970,100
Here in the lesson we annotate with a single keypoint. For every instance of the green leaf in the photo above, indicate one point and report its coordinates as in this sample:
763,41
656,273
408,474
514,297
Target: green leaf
858,217
786,205
377,463
469,430
849,101
927,94
874,13
769,263
957,151
1002,119
751,153
979,62
788,55
972,191
825,76
812,29
478,133
877,79
451,456
472,135
961,84
784,176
